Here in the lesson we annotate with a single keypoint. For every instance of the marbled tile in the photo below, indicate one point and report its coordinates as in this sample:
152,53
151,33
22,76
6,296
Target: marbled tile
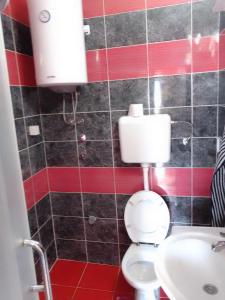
34,121
16,101
205,20
180,209
46,233
202,211
69,227
55,129
25,164
7,32
179,130
32,220
221,120
22,38
95,154
222,21
43,210
21,133
204,152
126,29
66,204
169,91
103,230
169,23
205,121
121,204
30,101
51,254
180,154
68,249
115,118
126,92
123,249
96,126
99,205
205,88
37,158
93,97
105,253
61,154
96,40
123,236
50,102
222,87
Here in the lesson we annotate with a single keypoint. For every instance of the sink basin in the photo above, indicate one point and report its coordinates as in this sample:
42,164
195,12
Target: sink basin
188,269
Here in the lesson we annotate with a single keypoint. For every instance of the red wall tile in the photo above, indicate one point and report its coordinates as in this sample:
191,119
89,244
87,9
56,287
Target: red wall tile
169,58
160,3
205,54
127,62
64,179
96,65
29,192
202,178
113,7
222,52
97,180
92,8
128,180
17,9
40,181
172,181
26,70
12,68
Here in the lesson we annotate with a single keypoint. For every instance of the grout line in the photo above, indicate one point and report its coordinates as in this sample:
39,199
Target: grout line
79,281
111,132
80,182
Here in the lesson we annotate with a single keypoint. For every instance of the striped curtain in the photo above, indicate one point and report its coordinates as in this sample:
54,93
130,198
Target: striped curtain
218,189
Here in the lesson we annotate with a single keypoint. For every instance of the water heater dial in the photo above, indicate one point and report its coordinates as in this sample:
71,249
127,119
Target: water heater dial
44,16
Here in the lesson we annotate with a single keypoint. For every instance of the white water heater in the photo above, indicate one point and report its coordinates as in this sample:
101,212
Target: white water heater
58,43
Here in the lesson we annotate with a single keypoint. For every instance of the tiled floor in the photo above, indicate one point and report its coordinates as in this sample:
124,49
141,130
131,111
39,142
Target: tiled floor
87,281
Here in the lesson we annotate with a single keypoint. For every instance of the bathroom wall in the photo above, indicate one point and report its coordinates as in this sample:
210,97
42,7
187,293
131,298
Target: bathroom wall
25,101
133,45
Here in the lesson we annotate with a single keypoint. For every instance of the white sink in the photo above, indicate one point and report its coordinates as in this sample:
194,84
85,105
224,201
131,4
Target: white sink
188,268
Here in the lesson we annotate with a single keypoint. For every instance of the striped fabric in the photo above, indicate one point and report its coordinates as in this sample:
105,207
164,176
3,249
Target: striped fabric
218,189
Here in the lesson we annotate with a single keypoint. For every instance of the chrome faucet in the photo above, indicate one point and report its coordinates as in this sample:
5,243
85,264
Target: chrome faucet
219,246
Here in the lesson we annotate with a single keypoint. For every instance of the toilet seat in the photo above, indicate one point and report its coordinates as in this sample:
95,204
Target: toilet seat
147,218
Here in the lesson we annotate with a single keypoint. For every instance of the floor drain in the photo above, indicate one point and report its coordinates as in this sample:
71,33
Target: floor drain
210,289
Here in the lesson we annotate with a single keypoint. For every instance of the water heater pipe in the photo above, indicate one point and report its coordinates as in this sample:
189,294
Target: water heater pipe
145,168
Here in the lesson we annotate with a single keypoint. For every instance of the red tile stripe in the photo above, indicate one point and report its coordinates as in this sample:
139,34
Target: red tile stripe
17,9
113,7
161,3
165,181
221,52
92,8
165,58
20,69
36,187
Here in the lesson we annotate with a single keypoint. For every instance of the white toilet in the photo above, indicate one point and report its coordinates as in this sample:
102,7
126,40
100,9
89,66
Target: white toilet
147,222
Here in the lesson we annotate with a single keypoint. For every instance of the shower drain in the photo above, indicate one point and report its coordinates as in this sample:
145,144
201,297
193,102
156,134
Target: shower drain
210,289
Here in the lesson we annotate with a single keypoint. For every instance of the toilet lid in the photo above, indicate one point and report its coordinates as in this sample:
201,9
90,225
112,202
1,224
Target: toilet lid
147,218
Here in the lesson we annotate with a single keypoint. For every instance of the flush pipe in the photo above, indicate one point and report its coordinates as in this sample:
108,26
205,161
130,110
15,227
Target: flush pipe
145,169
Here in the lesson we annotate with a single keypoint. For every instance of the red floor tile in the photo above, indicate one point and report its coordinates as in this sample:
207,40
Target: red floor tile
60,293
67,273
100,277
123,286
123,296
85,294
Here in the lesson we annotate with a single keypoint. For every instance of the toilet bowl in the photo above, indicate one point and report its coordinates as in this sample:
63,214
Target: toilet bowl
147,222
